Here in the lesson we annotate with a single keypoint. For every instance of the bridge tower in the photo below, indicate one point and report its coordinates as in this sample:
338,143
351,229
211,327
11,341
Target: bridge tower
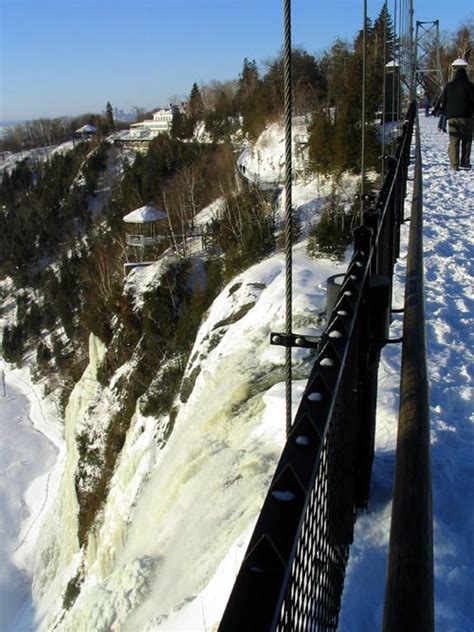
427,71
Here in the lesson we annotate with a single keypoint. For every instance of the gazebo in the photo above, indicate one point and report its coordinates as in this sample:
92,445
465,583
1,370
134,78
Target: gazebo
86,131
144,226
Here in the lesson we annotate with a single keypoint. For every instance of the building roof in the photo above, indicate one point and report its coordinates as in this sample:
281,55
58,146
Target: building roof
86,129
460,62
163,112
151,124
147,213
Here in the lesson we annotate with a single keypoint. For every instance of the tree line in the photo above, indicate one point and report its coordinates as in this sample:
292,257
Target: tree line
44,132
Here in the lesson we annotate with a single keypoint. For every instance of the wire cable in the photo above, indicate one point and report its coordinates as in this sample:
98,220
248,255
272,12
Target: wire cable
384,86
288,208
362,148
395,50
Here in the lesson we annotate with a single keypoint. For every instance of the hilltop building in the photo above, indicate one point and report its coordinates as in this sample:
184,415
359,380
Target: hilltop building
147,130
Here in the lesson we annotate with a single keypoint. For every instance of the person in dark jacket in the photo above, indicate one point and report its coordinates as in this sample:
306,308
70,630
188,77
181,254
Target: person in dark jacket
437,111
427,104
457,101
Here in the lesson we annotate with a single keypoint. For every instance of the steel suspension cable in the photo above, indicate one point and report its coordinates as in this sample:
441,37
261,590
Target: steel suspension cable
402,37
407,40
400,58
384,86
395,52
405,37
362,149
412,54
288,207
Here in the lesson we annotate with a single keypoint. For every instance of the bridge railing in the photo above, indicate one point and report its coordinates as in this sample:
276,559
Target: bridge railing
409,596
292,575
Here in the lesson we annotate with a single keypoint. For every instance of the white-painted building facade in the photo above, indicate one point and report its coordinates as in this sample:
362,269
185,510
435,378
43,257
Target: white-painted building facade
160,124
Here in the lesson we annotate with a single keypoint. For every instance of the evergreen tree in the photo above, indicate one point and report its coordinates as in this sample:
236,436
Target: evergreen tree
382,42
196,104
219,121
308,82
248,81
381,50
109,116
182,126
335,65
321,145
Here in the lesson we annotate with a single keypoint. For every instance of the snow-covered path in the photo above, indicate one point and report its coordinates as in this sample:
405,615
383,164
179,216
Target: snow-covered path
448,200
449,283
29,463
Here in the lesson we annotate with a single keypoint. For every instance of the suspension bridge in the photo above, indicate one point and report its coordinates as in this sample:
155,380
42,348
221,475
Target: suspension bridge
293,572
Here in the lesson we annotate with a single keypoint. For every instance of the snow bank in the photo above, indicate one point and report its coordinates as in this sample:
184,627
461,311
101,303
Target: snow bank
264,162
34,155
31,456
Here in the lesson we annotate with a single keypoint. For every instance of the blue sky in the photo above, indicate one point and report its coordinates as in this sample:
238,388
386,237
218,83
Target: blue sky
65,57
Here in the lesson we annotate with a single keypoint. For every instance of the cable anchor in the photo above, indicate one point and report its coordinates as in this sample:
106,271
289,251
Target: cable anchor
297,341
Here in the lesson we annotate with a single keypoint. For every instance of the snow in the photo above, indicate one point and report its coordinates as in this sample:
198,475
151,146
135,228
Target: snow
31,456
213,211
141,280
174,529
147,213
264,162
449,272
9,162
157,521
86,129
168,511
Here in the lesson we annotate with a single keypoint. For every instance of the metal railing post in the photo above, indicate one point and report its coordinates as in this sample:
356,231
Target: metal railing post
377,314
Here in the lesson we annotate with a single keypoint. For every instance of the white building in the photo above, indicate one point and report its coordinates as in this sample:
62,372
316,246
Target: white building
160,124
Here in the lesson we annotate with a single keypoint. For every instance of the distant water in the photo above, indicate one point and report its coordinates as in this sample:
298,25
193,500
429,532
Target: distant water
4,125
10,123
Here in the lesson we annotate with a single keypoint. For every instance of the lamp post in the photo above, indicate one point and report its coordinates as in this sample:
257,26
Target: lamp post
392,93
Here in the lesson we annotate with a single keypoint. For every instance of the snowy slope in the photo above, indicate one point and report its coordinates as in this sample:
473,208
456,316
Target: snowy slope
449,281
9,161
180,510
173,515
264,162
169,541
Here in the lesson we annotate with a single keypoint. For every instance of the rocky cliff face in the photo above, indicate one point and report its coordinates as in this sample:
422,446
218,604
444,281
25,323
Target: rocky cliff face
188,483
59,543
173,434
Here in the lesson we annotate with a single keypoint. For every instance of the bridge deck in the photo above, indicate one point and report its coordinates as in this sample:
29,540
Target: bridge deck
449,281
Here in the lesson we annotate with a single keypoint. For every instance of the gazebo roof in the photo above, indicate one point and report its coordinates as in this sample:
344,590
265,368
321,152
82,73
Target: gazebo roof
86,129
460,63
144,214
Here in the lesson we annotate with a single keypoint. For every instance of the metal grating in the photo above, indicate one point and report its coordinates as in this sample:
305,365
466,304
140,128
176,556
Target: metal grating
292,576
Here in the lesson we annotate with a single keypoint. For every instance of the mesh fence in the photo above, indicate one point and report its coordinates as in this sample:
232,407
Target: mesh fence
292,576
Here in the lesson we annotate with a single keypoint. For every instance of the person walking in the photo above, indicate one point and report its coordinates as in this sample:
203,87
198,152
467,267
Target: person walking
437,111
427,104
457,101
